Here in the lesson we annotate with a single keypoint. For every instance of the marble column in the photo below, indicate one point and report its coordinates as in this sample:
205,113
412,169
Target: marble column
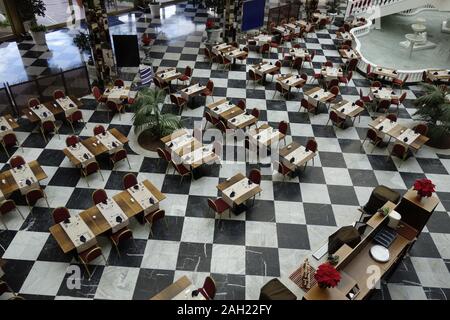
97,21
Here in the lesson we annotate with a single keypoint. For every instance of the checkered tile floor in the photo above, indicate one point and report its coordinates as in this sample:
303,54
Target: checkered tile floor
288,221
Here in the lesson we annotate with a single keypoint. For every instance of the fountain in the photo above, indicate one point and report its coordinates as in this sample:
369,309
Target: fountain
418,40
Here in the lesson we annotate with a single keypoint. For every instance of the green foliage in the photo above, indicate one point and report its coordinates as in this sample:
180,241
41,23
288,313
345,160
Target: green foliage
38,28
4,24
147,115
29,9
434,108
333,6
82,41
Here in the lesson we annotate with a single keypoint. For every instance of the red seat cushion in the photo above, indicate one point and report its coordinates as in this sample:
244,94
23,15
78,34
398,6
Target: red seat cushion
206,92
221,205
184,78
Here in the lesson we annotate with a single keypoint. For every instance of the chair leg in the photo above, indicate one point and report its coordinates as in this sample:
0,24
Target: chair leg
20,213
129,165
7,153
3,222
73,130
87,269
165,222
101,175
117,249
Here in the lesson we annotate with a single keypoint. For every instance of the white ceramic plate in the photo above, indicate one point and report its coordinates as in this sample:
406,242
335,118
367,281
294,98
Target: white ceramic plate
380,253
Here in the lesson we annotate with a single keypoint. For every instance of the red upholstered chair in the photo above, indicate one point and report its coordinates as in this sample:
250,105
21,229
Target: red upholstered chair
421,128
33,102
328,64
178,101
265,48
276,72
121,235
99,129
89,255
398,102
16,161
283,128
304,76
347,27
60,214
392,117
129,180
165,155
222,127
373,138
58,94
219,206
209,118
310,58
47,127
182,170
351,66
224,62
89,169
75,117
208,56
376,84
243,57
311,145
306,105
282,169
366,99
98,95
383,106
187,75
297,64
399,150
255,113
119,83
208,92
10,140
335,91
279,88
255,176
6,207
241,105
399,82
99,196
209,288
163,85
152,218
332,83
253,76
335,119
114,107
34,195
72,140
346,79
119,155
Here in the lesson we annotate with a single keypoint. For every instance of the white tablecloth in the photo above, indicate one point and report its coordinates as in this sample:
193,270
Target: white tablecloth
387,125
79,152
22,175
43,113
77,228
109,141
299,155
68,105
142,195
410,134
111,211
224,107
7,127
265,135
239,188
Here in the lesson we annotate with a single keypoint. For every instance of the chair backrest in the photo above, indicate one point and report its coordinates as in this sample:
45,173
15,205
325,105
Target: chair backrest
348,43
279,87
7,206
76,116
221,126
173,99
333,116
112,105
33,196
384,104
119,83
283,127
9,139
96,93
33,102
421,128
297,63
304,76
209,288
255,176
212,204
210,85
311,145
207,53
58,94
119,155
334,90
188,71
372,134
252,74
341,29
278,63
376,84
399,150
241,104
280,167
265,47
92,254
209,118
98,129
60,214
129,180
391,116
346,27
359,103
158,215
333,83
255,113
352,65
304,103
72,140
91,168
369,68
402,97
245,49
221,59
16,161
99,196
344,47
157,83
328,64
48,126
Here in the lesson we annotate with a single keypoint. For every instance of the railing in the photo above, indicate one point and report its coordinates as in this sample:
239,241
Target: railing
14,97
412,12
413,75
385,7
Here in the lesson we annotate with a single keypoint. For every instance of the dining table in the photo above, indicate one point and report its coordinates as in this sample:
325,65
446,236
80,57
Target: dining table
349,54
7,125
15,179
400,133
49,110
295,156
289,81
112,141
318,95
189,93
346,109
439,74
385,72
237,190
181,289
265,136
98,223
263,69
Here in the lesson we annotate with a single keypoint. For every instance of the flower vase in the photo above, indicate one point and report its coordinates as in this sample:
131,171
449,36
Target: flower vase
322,285
419,197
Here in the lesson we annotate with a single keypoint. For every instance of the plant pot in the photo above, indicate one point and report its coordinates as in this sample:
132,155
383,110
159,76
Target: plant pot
39,37
27,25
214,35
154,10
149,142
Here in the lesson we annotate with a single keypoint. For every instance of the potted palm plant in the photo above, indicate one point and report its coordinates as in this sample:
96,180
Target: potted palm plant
155,6
28,11
82,41
149,123
434,108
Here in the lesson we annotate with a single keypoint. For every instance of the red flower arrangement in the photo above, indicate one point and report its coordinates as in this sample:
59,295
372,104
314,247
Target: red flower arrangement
327,276
146,39
209,24
424,187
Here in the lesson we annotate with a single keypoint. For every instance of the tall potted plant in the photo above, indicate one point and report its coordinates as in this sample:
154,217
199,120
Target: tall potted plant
82,41
155,6
213,31
434,108
28,11
149,123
